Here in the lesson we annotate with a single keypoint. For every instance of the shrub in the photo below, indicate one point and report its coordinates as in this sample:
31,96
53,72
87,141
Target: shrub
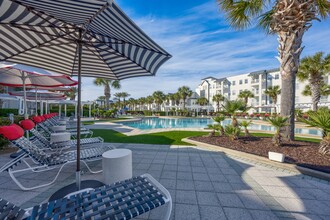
232,132
245,125
278,122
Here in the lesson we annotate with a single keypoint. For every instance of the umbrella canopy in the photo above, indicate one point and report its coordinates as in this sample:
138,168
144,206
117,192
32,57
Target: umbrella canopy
41,95
84,38
60,88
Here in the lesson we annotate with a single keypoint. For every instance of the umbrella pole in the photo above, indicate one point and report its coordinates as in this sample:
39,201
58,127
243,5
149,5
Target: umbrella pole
24,91
78,180
36,101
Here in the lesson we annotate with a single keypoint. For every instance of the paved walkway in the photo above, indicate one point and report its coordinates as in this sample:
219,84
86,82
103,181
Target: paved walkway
204,185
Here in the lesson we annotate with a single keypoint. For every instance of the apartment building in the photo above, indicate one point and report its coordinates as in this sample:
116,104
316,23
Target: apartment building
256,82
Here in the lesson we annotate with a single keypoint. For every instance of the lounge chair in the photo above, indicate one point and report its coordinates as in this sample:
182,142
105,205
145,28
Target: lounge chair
45,160
122,200
40,140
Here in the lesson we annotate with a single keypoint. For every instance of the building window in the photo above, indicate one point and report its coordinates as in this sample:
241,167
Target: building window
240,81
233,83
277,76
233,92
297,85
246,81
297,99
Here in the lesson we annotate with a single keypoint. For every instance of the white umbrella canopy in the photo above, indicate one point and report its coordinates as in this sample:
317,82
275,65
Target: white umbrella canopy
41,95
85,38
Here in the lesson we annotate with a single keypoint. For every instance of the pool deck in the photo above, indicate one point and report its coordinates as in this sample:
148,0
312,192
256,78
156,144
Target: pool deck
204,184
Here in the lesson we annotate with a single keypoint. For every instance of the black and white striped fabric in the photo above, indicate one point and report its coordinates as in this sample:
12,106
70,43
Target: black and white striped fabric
44,33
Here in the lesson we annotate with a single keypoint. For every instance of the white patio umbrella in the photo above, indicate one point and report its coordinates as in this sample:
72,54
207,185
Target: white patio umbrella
41,95
84,38
13,77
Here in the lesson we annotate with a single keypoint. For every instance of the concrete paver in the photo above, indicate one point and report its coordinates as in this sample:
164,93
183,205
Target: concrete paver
204,184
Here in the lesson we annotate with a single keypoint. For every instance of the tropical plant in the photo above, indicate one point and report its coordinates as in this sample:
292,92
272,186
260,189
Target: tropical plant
141,102
102,100
321,119
118,96
313,69
159,97
149,101
232,107
184,92
217,99
71,94
278,122
289,19
213,127
298,113
219,119
245,125
202,101
107,88
324,91
245,95
232,132
273,92
131,103
124,95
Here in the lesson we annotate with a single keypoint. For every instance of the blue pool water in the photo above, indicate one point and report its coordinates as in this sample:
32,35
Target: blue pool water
152,123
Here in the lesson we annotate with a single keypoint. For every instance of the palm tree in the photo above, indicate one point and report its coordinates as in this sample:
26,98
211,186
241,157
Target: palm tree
219,127
278,122
184,92
202,101
313,69
273,92
141,102
324,91
71,94
218,98
131,103
101,99
232,107
107,86
124,95
118,96
159,97
245,125
321,119
289,19
245,95
149,101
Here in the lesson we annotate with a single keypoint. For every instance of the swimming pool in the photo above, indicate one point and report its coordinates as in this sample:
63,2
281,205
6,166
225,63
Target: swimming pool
154,123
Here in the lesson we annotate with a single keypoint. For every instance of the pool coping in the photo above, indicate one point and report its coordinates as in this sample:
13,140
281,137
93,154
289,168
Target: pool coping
285,166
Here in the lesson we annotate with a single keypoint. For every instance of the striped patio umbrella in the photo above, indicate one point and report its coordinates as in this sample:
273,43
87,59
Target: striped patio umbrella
81,37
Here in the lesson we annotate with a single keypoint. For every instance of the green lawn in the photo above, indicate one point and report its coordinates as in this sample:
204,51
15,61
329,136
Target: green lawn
167,138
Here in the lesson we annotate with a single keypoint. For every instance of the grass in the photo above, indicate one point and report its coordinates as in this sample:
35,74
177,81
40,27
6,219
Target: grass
166,138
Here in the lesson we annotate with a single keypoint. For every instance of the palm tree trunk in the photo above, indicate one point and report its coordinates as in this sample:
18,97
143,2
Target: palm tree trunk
316,94
289,52
107,96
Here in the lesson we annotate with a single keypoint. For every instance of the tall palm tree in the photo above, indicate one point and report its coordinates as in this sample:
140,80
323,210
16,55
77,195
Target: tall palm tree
124,95
159,97
273,92
313,69
184,92
141,102
245,95
118,96
217,99
71,94
149,101
202,101
107,88
324,91
102,100
289,19
131,103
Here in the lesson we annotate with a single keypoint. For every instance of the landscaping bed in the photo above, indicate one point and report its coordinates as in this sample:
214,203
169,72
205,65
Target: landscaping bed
301,153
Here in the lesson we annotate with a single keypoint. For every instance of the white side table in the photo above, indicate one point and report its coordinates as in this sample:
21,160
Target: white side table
58,128
117,165
60,137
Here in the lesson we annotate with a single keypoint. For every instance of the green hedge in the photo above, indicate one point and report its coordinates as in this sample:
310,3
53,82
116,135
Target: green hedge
5,112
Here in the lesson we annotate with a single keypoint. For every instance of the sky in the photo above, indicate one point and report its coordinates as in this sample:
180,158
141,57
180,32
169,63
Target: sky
202,44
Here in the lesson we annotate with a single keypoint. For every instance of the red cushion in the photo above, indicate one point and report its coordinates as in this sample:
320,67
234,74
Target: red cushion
18,129
37,119
10,132
27,124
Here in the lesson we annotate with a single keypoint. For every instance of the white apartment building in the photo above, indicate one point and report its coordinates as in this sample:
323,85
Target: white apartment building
257,82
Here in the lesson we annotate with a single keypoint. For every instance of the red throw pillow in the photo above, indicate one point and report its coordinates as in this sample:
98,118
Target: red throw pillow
18,129
10,132
27,124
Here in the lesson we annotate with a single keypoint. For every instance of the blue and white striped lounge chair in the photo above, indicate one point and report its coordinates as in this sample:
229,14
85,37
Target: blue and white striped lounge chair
122,200
42,141
45,160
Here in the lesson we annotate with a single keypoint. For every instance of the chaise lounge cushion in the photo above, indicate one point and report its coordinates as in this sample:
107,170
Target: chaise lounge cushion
37,119
10,132
27,124
18,129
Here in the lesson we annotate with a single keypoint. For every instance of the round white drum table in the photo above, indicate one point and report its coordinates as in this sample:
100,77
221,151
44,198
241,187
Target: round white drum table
60,137
117,165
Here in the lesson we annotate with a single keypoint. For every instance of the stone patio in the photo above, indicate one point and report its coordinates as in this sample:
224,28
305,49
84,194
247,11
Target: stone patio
203,184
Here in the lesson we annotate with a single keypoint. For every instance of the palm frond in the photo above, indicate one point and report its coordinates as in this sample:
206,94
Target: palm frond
323,8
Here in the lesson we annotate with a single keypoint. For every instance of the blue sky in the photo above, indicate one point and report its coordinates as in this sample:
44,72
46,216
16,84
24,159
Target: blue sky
202,44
